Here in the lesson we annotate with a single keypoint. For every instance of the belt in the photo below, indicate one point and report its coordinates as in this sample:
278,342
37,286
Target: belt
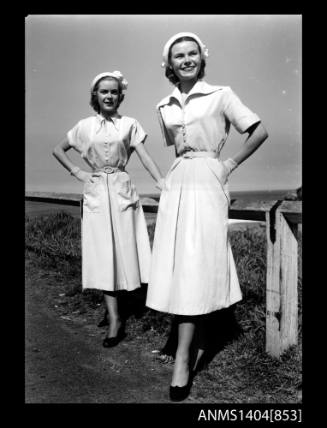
198,154
109,169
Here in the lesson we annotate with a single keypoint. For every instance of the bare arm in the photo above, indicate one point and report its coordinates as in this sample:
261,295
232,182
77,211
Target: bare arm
257,135
150,165
59,152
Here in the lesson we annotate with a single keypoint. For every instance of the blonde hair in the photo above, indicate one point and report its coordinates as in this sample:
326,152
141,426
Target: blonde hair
94,97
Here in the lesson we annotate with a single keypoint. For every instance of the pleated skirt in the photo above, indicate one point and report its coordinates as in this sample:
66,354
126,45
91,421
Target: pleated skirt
192,269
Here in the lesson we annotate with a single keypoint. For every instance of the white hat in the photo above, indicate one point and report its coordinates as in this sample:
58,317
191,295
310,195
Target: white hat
204,50
115,74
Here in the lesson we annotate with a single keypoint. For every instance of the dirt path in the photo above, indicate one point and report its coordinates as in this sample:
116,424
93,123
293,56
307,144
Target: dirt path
66,363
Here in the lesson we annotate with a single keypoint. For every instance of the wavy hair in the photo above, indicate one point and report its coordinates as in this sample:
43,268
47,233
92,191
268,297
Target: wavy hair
94,98
169,72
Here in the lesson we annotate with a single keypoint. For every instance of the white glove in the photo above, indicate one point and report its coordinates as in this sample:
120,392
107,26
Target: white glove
229,165
161,184
81,175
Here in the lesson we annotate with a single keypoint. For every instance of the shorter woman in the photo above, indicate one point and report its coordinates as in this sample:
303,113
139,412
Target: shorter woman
115,243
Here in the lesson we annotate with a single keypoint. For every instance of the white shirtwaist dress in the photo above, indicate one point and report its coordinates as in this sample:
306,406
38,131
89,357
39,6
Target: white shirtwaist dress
193,270
116,251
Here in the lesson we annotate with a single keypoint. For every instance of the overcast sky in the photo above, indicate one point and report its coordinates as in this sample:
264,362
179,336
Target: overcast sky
259,56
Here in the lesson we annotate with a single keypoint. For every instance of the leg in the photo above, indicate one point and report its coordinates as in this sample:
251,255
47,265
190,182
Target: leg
186,328
104,320
168,352
113,314
201,343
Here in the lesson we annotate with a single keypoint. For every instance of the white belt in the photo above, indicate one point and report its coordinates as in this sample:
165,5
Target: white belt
109,169
198,154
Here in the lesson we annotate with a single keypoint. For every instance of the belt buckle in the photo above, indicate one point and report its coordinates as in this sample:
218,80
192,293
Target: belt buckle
109,169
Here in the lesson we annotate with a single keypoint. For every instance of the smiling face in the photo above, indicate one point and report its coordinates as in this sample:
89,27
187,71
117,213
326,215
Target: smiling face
185,60
108,96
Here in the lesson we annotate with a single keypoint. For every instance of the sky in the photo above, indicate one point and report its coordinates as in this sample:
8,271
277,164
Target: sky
258,56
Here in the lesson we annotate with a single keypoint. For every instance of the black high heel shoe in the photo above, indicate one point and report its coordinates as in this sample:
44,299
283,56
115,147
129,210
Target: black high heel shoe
180,393
104,321
110,342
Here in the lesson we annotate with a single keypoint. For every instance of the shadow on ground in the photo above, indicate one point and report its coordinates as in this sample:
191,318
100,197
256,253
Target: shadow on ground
221,327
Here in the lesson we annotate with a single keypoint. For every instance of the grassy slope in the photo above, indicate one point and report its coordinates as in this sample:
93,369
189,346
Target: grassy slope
237,369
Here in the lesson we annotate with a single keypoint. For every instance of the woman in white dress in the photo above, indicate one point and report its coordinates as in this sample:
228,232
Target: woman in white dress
193,271
115,244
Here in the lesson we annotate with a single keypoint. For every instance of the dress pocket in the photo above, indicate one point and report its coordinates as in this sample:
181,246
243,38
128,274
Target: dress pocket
169,174
218,169
91,199
126,192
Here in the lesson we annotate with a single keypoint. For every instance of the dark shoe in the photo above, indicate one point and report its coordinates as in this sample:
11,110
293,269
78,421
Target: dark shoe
110,342
104,321
180,393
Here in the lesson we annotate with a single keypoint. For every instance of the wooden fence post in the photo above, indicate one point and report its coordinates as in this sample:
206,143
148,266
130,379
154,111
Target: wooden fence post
273,299
289,275
282,282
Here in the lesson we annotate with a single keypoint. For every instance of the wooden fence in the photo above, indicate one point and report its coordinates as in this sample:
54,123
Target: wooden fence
282,219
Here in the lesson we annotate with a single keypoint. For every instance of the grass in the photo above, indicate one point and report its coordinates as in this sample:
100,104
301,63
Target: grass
237,369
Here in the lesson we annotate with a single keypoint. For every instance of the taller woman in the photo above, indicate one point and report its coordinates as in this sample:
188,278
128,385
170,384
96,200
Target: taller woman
193,271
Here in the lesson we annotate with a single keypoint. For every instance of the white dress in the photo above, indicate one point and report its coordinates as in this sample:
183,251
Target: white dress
192,269
116,251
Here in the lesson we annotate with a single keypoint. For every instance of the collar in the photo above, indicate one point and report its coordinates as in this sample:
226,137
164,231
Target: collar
101,120
113,119
200,87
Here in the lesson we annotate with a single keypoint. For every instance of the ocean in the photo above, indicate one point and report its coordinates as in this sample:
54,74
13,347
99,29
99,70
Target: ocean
260,195
33,209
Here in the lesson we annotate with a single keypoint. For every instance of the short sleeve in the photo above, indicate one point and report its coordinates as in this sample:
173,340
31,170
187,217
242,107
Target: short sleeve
237,113
138,135
164,132
77,137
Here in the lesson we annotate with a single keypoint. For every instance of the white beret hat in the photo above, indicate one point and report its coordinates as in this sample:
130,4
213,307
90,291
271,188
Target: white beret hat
204,50
115,74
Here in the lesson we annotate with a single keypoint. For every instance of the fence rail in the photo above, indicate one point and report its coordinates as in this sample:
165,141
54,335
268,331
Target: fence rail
282,219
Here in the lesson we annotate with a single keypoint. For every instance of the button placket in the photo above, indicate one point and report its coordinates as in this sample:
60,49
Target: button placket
183,126
106,151
106,146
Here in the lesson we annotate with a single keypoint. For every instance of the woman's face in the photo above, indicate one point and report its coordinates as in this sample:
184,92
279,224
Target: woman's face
108,96
186,60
